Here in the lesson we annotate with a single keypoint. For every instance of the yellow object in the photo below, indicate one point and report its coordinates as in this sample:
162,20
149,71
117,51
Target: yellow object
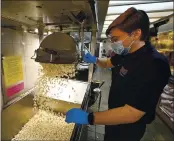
12,68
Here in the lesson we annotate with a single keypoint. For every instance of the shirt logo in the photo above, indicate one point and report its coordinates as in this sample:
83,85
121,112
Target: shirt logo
123,71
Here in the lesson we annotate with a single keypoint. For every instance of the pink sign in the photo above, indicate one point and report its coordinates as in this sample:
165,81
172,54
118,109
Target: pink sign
14,89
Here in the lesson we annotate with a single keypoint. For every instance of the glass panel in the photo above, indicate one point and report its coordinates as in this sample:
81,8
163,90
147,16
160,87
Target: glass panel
145,7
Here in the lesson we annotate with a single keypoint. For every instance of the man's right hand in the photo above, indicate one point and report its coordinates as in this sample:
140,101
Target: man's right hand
89,58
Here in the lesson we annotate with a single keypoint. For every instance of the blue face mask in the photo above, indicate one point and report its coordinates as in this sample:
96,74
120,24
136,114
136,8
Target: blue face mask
119,49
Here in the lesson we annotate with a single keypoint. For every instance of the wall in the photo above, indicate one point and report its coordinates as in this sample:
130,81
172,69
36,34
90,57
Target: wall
19,43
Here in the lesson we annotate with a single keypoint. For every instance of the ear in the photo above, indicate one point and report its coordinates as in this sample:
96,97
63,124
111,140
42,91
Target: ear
137,34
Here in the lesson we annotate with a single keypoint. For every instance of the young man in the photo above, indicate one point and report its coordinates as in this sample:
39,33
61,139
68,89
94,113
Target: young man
139,75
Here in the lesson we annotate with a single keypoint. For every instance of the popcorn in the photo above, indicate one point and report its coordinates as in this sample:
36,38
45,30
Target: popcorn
46,124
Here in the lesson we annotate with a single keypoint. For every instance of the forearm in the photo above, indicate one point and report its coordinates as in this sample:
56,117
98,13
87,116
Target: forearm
104,62
116,116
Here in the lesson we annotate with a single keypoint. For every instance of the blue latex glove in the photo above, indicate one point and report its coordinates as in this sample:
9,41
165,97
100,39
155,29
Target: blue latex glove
77,116
89,58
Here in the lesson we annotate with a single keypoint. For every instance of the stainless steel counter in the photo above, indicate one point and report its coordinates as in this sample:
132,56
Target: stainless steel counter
68,90
15,116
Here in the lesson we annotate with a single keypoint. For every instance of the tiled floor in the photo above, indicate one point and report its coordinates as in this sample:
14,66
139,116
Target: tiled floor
157,131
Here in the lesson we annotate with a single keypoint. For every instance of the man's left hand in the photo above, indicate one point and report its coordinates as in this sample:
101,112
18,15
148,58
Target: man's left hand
77,116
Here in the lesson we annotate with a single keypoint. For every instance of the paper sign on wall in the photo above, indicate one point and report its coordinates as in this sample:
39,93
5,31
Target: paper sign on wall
13,72
14,89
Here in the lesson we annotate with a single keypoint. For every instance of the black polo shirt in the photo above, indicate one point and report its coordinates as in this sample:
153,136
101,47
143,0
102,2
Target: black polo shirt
138,80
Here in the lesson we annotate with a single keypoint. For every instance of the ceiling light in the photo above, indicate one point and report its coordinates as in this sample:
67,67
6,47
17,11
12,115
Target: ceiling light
107,23
105,26
111,17
111,3
150,15
146,7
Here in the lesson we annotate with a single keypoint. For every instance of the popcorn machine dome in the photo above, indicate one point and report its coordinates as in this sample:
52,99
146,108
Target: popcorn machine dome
57,48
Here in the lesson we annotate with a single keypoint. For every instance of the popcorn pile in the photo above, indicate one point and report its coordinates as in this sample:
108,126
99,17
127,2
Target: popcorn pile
51,83
57,70
46,124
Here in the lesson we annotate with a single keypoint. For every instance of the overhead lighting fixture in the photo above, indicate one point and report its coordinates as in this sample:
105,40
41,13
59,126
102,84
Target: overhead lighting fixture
36,30
150,15
112,3
146,7
111,17
151,7
107,23
105,26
